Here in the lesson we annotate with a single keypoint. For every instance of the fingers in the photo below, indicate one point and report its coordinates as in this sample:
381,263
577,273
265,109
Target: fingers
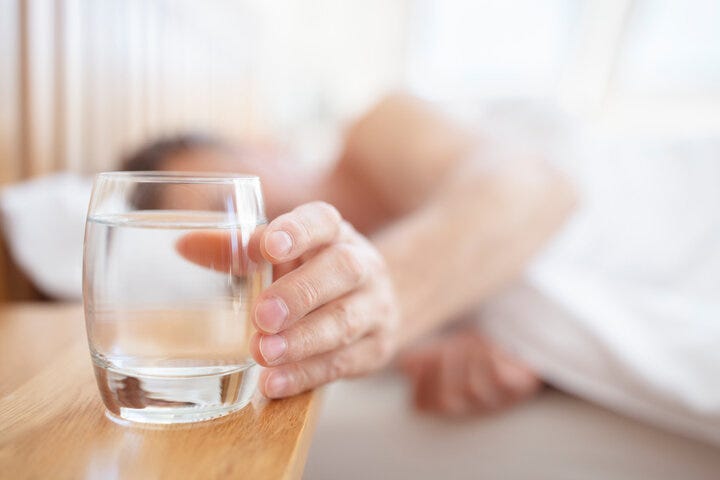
465,374
335,325
285,239
367,354
305,228
215,249
517,378
440,384
333,272
412,362
331,311
427,383
220,250
451,397
483,388
422,366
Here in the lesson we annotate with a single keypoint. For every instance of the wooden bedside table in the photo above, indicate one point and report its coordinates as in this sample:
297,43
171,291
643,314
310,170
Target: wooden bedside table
53,423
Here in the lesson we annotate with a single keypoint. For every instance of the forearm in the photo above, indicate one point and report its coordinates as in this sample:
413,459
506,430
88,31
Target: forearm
471,239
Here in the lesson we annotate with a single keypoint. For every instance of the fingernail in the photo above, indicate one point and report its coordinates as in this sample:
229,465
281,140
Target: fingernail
276,384
270,315
272,347
278,244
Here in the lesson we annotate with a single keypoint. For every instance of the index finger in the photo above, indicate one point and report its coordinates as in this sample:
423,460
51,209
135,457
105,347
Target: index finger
305,228
220,250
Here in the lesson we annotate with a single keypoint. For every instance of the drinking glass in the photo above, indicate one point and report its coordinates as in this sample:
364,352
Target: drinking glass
169,284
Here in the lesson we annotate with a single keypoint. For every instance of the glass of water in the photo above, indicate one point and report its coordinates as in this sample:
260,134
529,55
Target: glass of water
169,284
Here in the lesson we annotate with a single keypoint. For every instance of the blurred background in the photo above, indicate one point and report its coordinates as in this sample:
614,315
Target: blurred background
82,82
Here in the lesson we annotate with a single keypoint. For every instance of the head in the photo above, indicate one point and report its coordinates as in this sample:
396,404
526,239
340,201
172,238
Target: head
187,152
197,152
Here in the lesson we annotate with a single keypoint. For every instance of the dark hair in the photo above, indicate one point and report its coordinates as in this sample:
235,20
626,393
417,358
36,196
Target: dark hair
153,155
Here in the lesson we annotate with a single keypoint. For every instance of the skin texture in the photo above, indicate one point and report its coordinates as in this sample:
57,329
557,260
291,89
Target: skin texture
440,228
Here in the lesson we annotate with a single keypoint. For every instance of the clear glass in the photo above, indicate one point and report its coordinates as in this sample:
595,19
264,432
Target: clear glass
169,282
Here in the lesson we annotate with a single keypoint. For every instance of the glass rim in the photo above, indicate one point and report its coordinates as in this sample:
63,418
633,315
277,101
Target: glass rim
155,176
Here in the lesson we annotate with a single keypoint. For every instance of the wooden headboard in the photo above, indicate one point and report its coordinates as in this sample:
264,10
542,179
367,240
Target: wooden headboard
65,109
14,285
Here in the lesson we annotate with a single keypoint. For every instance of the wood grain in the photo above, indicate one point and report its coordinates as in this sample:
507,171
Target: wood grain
53,424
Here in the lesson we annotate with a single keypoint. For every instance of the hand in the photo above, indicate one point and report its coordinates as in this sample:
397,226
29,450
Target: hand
465,373
330,313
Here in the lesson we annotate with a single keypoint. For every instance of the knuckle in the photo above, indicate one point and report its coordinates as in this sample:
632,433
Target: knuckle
349,261
298,230
376,261
327,211
347,230
384,350
303,222
338,366
307,294
348,327
301,378
305,342
388,317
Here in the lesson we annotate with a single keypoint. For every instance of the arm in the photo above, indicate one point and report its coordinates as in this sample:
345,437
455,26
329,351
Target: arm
449,228
456,227
470,239
441,233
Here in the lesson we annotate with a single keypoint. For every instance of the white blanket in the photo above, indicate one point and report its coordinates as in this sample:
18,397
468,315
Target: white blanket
623,308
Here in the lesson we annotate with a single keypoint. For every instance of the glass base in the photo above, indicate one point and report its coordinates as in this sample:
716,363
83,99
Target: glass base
171,395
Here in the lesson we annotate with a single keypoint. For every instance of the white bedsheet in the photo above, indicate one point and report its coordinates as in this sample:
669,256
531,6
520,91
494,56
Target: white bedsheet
624,306
367,429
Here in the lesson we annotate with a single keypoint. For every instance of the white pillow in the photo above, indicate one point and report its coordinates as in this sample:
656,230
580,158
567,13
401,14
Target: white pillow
43,221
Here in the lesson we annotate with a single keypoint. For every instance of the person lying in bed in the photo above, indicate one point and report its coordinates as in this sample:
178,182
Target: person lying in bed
379,255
